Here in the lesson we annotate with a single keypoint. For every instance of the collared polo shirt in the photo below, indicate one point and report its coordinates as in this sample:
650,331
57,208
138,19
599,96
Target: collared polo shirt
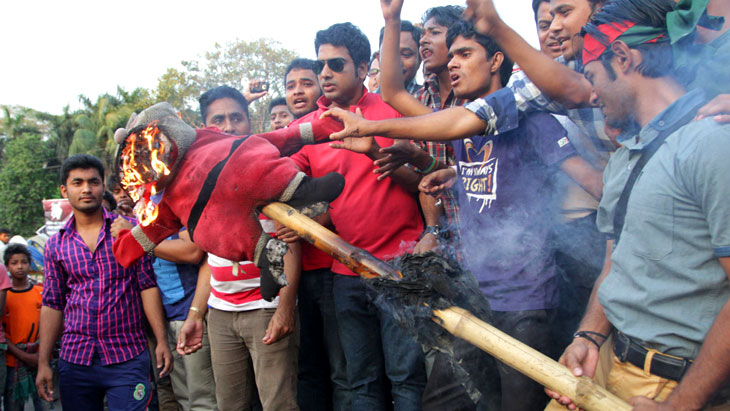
666,285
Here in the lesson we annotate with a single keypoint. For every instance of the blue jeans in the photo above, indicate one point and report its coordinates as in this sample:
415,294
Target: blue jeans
322,373
126,385
376,348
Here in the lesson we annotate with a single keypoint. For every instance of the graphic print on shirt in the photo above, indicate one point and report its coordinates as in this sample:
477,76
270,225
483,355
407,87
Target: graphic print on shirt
479,173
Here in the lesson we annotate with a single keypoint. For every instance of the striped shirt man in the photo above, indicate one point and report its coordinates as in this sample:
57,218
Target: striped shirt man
100,299
236,287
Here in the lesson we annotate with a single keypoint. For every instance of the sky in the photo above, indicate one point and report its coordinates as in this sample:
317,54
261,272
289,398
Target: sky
54,51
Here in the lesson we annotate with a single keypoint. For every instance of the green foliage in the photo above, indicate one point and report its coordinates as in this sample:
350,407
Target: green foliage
233,64
25,180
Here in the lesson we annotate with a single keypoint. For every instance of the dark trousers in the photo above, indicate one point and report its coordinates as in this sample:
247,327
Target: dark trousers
377,351
579,253
126,385
322,374
532,328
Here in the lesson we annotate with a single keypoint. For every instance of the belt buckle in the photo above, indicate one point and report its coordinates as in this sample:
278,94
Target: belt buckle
626,342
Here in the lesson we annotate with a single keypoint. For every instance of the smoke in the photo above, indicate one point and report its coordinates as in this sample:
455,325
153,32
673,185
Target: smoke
432,282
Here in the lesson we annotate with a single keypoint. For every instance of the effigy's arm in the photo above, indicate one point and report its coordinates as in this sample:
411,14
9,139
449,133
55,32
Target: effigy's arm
131,245
290,139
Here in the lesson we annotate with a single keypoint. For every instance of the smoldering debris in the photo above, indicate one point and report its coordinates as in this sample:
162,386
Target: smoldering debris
432,282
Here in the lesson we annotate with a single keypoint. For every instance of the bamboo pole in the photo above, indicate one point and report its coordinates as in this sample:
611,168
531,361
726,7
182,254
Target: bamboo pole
356,259
525,359
461,323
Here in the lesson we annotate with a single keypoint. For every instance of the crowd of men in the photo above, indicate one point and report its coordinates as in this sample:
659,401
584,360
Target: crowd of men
585,191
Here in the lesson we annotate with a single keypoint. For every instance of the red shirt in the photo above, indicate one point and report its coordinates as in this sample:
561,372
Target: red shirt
380,217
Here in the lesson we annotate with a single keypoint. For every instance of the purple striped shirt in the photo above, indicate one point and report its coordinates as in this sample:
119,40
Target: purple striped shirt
100,299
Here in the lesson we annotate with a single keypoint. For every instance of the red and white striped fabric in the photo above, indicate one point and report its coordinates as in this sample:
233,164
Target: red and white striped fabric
240,290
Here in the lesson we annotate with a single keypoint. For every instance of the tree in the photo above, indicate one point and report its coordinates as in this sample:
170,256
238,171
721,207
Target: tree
232,64
25,180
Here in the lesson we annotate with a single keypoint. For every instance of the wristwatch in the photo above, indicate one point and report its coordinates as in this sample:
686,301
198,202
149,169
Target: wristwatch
432,229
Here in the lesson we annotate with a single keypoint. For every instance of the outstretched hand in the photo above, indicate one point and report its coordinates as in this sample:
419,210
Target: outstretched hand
435,183
483,15
354,123
391,8
396,155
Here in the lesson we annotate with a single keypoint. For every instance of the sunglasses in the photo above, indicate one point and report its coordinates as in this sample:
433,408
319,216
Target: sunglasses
335,64
373,72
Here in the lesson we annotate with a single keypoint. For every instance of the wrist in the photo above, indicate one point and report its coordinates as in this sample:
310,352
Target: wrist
432,165
592,337
196,313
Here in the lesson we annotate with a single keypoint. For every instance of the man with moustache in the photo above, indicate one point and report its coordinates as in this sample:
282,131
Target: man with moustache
410,58
322,382
501,180
656,329
374,215
97,305
302,87
548,43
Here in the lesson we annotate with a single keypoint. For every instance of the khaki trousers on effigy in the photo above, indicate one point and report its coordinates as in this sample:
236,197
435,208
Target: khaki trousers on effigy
626,380
239,356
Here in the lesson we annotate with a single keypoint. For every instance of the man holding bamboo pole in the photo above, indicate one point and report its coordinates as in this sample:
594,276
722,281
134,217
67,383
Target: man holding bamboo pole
665,295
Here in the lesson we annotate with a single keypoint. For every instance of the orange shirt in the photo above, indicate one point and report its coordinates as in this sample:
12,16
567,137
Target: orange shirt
22,315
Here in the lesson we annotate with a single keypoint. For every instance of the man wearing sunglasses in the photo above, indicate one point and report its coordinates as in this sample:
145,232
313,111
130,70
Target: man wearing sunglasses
371,214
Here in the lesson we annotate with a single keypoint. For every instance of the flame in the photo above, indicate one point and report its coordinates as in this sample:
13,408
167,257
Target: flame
142,168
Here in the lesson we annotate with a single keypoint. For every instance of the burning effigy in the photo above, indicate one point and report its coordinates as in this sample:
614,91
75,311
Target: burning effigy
212,183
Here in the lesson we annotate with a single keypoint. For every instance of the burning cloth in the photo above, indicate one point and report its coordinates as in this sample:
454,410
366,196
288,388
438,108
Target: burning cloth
212,183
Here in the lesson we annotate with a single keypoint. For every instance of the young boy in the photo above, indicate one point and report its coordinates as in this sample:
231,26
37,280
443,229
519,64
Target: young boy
22,315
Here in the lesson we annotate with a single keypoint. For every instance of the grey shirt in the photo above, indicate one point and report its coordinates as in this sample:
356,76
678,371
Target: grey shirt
666,285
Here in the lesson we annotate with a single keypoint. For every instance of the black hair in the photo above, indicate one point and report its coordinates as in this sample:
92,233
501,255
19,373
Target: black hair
657,58
299,64
279,101
15,248
465,29
217,93
444,15
349,36
405,25
5,230
109,197
597,4
372,58
113,180
80,161
536,5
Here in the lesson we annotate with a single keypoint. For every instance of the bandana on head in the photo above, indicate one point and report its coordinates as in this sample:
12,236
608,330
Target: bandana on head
680,23
630,33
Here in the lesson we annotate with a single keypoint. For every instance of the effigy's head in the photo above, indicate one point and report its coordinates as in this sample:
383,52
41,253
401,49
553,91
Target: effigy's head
149,151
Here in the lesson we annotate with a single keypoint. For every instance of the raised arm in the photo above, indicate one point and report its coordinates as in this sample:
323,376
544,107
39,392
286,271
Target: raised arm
555,80
392,89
